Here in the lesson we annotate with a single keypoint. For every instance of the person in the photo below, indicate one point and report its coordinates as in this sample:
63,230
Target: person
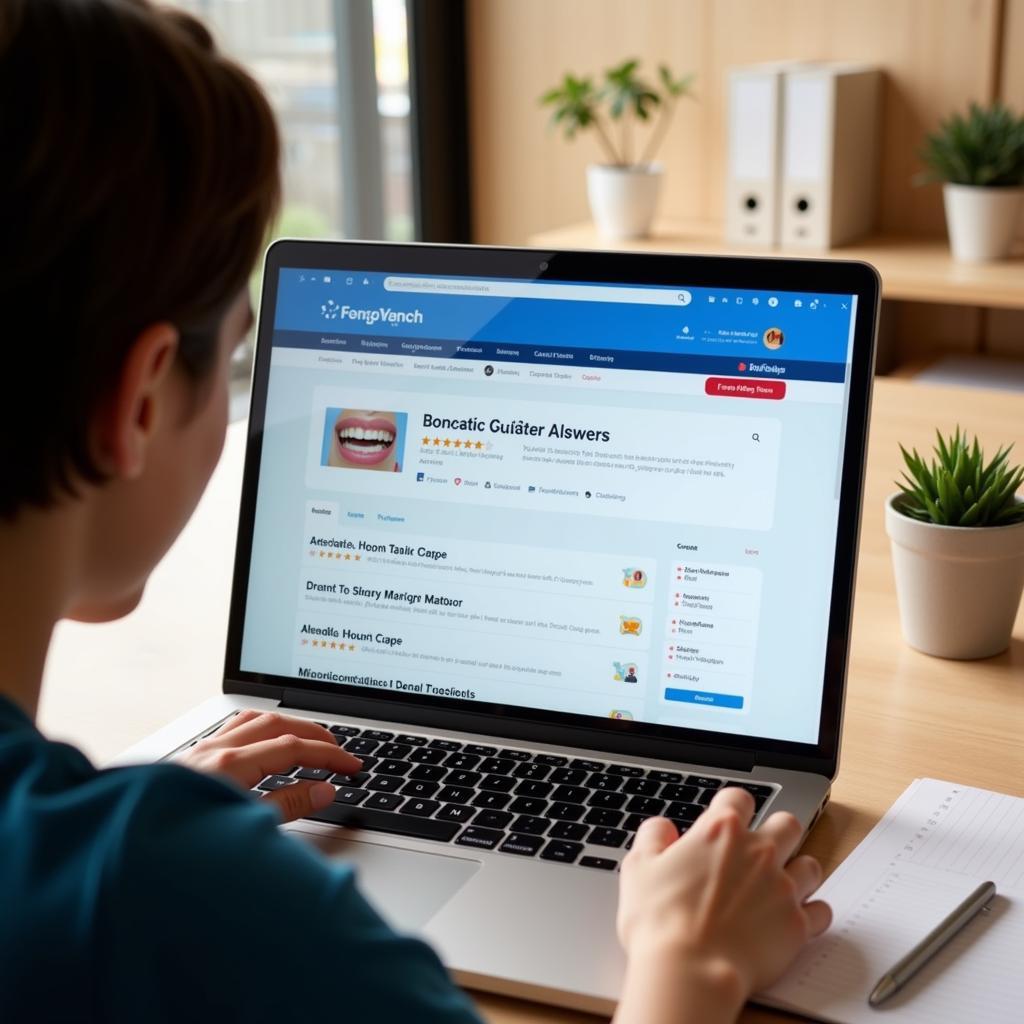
140,174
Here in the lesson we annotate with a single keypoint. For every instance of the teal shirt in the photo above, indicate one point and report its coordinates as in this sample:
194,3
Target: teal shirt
158,894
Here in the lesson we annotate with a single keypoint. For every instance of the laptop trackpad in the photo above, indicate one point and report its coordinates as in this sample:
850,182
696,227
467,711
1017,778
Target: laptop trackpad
407,888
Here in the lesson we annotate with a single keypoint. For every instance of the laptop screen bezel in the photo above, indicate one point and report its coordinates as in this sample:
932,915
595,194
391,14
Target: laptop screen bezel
627,736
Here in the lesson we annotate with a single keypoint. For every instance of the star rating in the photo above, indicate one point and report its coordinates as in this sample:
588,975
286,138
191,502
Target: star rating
426,440
437,442
462,443
325,645
458,444
479,445
447,442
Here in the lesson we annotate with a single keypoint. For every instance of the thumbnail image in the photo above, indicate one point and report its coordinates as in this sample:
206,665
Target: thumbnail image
625,672
773,338
634,578
630,625
364,439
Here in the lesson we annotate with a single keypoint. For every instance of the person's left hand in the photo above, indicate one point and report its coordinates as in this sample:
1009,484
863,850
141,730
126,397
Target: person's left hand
255,744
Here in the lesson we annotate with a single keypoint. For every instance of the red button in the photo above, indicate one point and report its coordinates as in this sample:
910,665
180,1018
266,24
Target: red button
745,387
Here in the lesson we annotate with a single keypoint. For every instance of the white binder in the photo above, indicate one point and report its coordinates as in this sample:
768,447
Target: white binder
830,148
754,152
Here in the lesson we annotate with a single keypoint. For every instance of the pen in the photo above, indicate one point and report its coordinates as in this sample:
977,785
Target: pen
896,977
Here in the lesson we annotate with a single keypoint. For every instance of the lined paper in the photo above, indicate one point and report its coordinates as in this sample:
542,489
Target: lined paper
934,846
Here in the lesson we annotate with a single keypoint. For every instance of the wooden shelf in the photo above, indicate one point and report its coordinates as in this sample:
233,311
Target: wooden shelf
915,269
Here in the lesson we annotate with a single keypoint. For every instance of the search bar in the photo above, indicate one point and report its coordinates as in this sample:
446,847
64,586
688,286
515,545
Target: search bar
539,290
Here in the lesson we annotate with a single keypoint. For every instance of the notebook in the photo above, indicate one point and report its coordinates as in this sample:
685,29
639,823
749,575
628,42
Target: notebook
932,848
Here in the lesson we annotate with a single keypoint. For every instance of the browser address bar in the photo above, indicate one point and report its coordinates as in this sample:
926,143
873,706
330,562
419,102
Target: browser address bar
538,290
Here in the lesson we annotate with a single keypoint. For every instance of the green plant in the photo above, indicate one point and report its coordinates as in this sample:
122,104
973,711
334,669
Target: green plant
624,98
958,488
983,147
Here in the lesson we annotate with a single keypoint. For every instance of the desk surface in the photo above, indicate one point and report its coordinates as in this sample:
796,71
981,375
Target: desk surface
907,715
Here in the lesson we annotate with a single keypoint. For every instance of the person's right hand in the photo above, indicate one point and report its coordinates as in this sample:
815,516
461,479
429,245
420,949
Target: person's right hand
720,901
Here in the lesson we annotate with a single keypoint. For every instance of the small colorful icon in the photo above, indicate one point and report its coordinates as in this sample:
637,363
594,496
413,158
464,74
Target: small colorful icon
773,338
625,716
329,310
458,481
531,489
742,367
625,672
634,578
630,625
420,477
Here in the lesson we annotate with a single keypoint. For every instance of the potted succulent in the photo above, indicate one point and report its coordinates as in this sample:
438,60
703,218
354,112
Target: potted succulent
979,157
957,532
623,191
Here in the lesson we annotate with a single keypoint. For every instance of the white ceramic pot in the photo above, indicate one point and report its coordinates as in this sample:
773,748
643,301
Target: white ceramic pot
623,199
958,587
982,221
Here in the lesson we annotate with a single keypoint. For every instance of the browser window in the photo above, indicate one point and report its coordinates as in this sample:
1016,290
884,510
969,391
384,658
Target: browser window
611,500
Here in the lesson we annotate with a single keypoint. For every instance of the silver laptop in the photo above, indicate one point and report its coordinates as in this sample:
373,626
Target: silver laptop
555,541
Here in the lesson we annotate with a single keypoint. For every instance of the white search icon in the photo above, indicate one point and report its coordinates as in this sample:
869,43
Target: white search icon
755,437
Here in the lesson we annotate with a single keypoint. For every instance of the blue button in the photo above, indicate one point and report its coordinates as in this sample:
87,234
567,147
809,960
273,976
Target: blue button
714,700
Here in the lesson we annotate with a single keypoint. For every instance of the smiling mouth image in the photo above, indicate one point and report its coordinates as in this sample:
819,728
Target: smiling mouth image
364,442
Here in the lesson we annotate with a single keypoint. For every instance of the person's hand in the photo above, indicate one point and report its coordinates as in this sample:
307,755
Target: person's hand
255,744
719,905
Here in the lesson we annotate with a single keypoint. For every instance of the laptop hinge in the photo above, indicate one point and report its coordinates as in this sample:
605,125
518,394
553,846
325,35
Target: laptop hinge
518,729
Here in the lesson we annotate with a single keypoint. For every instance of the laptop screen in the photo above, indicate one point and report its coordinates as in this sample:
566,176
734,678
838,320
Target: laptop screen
611,500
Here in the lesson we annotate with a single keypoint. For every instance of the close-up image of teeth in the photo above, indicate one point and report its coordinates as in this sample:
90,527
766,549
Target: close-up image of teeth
360,439
364,439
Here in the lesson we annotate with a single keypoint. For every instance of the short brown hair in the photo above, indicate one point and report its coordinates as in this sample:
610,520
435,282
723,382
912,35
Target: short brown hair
140,173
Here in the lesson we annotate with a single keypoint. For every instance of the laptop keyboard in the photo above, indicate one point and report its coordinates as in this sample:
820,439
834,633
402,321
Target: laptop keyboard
549,806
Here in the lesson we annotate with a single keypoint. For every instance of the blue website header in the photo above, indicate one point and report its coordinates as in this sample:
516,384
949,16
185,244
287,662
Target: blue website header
793,335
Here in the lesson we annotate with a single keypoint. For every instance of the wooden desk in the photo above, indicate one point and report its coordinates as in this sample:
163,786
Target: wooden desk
907,715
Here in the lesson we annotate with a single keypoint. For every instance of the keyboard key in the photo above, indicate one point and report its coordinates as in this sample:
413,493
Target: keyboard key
428,772
496,766
532,770
426,755
348,795
603,816
687,794
462,778
602,863
416,787
566,812
648,806
587,766
632,770
555,760
568,776
269,784
445,745
392,767
383,821
368,761
384,801
491,801
573,830
515,755
523,844
703,781
641,787
479,750
528,805
493,819
633,822
482,838
378,734
316,774
561,851
571,794
385,783
359,779
456,812
606,782
498,783
344,730
606,837
681,826
752,788
600,798
530,788
396,750
660,776
421,808
415,741
684,812
455,795
530,825
361,745
461,760
706,796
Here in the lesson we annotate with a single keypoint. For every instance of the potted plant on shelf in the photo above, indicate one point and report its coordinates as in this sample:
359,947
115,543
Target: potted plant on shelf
979,157
957,532
623,191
